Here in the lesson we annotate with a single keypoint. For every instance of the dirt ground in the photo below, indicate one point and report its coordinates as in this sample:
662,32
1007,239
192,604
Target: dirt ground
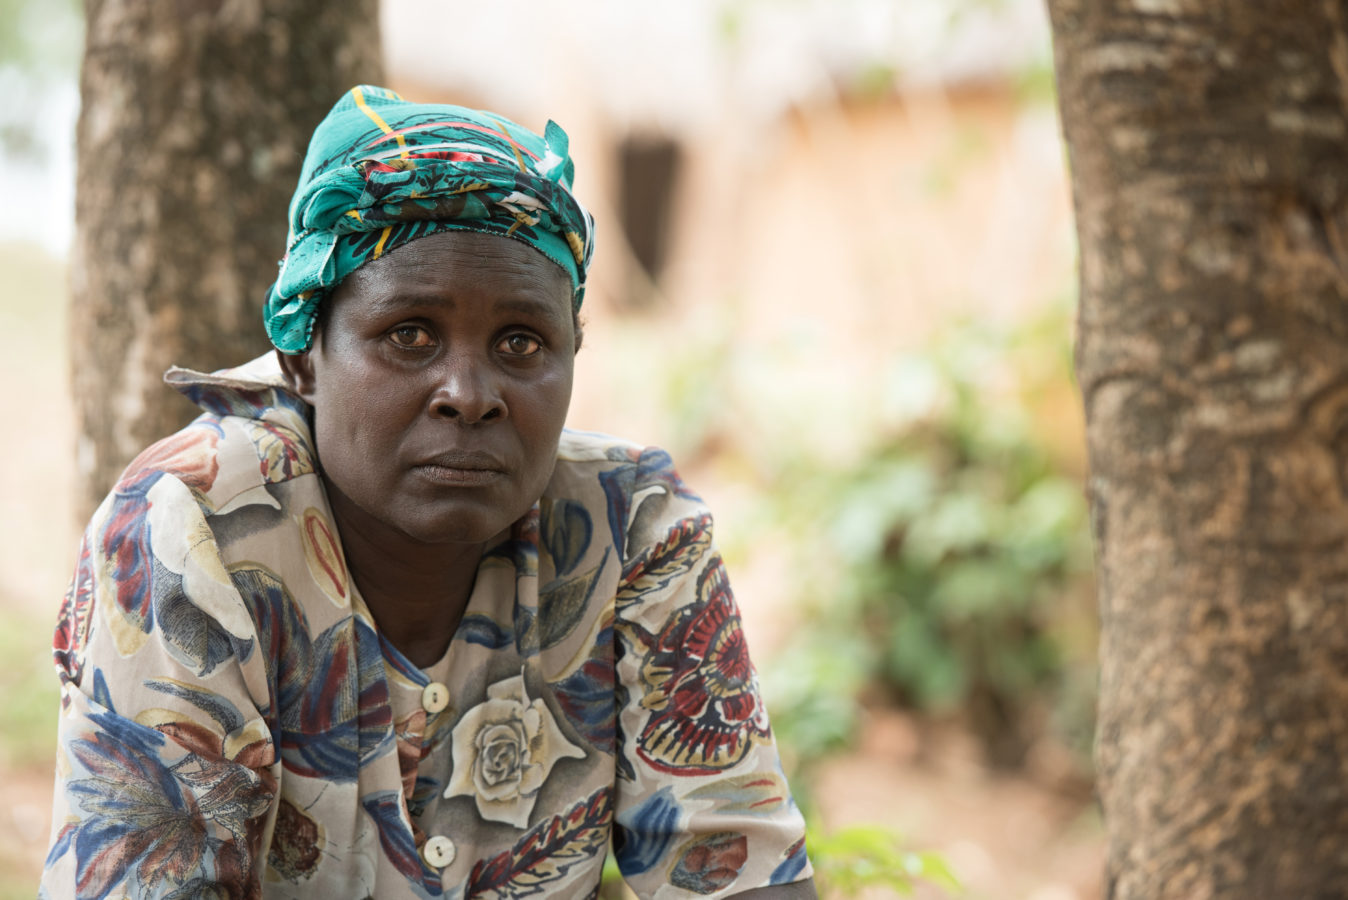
1031,835
1008,837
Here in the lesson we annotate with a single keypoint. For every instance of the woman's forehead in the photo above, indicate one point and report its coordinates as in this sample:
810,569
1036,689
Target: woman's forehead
452,268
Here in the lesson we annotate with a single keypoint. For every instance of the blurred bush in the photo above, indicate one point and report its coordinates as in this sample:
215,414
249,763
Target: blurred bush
954,555
860,857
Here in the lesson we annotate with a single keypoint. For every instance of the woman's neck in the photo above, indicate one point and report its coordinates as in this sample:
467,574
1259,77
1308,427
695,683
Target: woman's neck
417,592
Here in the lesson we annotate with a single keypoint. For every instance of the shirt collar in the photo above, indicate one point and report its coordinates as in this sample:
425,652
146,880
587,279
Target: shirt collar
252,389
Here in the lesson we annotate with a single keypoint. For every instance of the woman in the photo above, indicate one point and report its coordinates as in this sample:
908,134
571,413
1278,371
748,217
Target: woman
375,625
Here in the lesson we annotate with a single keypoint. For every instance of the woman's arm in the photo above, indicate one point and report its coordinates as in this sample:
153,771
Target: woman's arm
702,802
165,762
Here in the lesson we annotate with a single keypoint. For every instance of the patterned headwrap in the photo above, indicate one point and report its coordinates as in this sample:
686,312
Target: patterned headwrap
382,171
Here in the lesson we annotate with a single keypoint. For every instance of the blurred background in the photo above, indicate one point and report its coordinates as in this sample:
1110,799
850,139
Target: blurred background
835,279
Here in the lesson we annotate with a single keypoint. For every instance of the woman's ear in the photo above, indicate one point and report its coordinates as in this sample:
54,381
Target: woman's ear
299,371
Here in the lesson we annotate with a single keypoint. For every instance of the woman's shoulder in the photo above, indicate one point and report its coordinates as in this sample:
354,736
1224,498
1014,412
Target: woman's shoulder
595,451
249,437
614,466
634,489
582,447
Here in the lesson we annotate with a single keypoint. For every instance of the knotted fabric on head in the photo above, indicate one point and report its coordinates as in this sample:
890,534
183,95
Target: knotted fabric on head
382,171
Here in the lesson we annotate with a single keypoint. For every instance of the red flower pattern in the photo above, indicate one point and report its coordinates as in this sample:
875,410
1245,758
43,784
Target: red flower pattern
708,712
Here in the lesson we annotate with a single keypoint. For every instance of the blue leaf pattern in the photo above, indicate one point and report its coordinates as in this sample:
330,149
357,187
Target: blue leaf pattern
647,833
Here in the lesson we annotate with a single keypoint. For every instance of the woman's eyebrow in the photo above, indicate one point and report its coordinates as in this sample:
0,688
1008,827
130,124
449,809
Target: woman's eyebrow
414,296
402,298
530,305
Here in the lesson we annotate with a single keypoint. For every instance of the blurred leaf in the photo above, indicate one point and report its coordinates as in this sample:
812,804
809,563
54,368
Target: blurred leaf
812,686
1035,84
40,46
915,388
966,148
919,660
42,37
980,587
875,80
958,522
861,856
898,492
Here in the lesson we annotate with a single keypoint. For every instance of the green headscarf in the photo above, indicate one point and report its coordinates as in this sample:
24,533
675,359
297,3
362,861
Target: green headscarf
382,171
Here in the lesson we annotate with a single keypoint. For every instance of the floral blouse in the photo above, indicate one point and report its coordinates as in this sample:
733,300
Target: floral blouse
234,725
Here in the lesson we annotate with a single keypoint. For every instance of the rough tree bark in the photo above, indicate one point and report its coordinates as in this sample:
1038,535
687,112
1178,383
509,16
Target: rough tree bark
1209,150
195,116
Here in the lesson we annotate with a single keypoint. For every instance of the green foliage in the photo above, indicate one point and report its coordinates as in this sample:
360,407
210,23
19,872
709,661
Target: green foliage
966,148
14,887
875,80
813,687
611,885
961,557
40,42
1034,84
41,36
692,392
857,857
28,684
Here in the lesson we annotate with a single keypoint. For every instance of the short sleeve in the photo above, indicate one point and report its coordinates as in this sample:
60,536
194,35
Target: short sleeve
702,805
165,779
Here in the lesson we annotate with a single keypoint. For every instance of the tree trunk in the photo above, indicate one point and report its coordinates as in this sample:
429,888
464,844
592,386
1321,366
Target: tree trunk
194,122
1209,150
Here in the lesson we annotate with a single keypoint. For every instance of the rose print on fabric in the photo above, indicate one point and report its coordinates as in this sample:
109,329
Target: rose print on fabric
503,750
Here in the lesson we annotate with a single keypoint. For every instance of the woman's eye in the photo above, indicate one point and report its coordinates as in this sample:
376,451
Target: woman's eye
520,345
410,336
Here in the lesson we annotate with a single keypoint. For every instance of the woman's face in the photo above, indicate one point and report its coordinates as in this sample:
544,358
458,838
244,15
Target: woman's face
440,378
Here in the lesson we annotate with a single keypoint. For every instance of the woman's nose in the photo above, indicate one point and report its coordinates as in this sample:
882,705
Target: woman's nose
467,390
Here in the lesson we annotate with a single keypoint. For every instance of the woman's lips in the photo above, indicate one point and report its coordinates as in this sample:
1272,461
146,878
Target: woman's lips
461,468
458,477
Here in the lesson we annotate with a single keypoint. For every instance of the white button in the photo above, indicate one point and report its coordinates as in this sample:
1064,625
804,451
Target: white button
434,697
438,851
